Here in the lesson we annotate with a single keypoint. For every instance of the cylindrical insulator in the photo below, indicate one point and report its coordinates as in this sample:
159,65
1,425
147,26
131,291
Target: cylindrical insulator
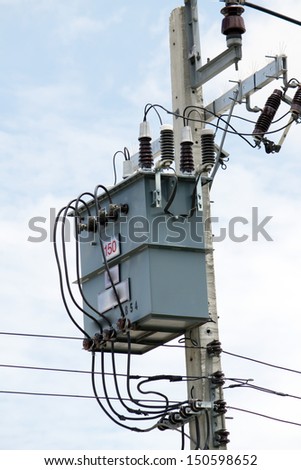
220,407
266,117
146,159
175,418
221,437
186,154
233,23
167,145
185,412
296,104
208,149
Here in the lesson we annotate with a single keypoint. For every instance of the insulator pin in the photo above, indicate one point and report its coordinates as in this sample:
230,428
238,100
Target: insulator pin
146,159
220,407
167,145
266,117
221,437
233,23
186,154
208,149
217,379
214,348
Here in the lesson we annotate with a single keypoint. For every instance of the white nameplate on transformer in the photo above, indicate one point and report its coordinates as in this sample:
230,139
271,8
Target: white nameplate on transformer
107,299
115,277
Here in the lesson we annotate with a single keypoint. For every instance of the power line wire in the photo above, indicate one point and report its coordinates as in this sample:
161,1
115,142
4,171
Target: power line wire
64,395
264,416
262,362
268,364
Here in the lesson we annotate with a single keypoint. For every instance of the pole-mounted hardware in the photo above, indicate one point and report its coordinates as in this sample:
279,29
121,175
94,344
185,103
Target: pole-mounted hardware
232,27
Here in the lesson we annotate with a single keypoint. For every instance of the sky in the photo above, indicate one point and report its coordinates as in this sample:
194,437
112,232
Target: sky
75,77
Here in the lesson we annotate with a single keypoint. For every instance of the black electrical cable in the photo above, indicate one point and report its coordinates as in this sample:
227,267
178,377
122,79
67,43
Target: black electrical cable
182,438
147,108
77,265
246,384
197,433
65,261
104,386
64,395
185,435
130,428
171,378
264,416
128,386
100,186
54,395
206,445
261,362
130,410
110,275
164,345
193,110
61,279
158,414
33,335
271,12
171,196
126,156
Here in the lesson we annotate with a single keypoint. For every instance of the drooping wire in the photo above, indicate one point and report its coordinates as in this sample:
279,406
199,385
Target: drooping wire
163,345
65,211
128,385
119,423
150,106
77,263
197,433
264,416
246,384
261,362
126,155
171,196
109,274
95,195
61,276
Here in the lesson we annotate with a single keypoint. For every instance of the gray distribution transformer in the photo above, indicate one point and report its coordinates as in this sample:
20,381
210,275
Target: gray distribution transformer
143,268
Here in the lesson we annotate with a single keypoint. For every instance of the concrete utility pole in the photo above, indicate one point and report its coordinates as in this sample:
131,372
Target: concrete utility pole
209,430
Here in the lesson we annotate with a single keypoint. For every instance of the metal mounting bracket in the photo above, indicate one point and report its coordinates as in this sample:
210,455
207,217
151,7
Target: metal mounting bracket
201,74
274,70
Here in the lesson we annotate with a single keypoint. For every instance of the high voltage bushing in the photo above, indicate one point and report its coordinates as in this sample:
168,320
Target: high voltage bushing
266,117
186,153
296,104
208,149
167,145
146,159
